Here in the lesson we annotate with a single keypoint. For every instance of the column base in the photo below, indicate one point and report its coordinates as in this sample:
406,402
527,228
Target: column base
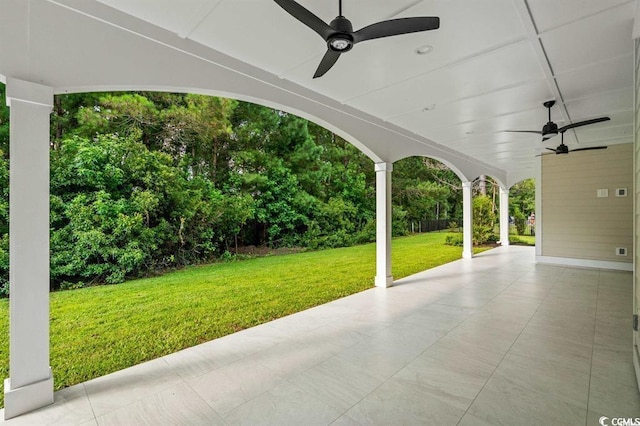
384,282
27,398
504,243
467,254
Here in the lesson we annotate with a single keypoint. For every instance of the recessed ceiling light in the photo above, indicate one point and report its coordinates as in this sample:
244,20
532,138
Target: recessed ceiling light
424,49
429,107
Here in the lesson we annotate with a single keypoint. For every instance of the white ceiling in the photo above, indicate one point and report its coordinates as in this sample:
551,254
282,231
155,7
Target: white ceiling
493,64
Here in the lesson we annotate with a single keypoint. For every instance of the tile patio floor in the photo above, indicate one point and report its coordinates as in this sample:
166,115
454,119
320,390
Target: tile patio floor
496,340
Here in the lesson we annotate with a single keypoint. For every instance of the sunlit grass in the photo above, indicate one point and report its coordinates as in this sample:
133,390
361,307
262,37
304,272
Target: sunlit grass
527,240
98,330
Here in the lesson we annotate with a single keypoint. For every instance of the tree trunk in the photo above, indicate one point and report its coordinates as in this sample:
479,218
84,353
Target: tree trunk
483,184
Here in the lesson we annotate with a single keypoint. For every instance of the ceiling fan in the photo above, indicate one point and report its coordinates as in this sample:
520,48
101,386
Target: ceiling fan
339,34
551,129
563,149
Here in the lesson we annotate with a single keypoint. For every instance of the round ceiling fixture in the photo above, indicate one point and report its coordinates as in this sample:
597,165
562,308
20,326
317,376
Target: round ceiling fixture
424,49
340,43
429,107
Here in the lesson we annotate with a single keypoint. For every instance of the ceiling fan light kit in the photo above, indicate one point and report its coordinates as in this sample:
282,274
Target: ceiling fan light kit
341,38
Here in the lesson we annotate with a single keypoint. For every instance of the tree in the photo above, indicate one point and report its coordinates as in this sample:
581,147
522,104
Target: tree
197,132
484,219
420,193
522,202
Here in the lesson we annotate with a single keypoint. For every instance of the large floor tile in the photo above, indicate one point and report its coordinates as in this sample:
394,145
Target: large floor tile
436,321
547,378
286,404
615,364
473,336
583,323
229,387
453,380
614,399
571,356
293,357
386,354
345,421
201,359
503,402
471,420
178,405
397,402
338,382
124,387
465,300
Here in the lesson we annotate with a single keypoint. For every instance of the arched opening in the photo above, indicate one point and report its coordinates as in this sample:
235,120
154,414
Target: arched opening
490,221
143,182
522,212
427,195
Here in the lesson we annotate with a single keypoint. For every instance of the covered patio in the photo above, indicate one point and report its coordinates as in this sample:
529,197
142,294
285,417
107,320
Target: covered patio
494,340
498,339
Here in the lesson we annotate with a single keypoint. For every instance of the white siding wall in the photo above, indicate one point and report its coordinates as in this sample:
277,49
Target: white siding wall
576,223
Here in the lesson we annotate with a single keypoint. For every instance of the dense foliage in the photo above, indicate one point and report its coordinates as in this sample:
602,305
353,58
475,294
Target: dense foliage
522,202
149,181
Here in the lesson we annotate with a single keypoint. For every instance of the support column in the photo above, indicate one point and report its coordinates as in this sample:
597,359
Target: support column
467,221
30,385
504,217
538,230
383,224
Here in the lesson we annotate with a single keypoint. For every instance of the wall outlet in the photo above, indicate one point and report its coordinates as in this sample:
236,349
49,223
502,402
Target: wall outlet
621,251
602,193
621,192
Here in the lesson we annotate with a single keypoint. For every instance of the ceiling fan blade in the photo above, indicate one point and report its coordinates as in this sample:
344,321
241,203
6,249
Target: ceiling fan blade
524,131
588,148
552,149
327,62
306,17
582,123
394,27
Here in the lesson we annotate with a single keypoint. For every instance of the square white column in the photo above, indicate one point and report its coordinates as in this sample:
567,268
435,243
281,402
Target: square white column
467,221
504,217
30,385
383,225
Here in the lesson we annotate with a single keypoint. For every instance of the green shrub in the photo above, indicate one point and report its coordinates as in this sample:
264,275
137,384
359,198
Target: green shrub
483,219
454,240
399,225
119,210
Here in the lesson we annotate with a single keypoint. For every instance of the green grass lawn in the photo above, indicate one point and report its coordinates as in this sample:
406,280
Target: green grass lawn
527,240
98,330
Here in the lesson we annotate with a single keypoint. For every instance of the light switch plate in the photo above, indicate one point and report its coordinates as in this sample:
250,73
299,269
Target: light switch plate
603,193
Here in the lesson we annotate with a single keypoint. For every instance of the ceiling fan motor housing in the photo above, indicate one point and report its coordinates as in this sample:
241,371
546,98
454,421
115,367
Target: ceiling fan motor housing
341,41
550,128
